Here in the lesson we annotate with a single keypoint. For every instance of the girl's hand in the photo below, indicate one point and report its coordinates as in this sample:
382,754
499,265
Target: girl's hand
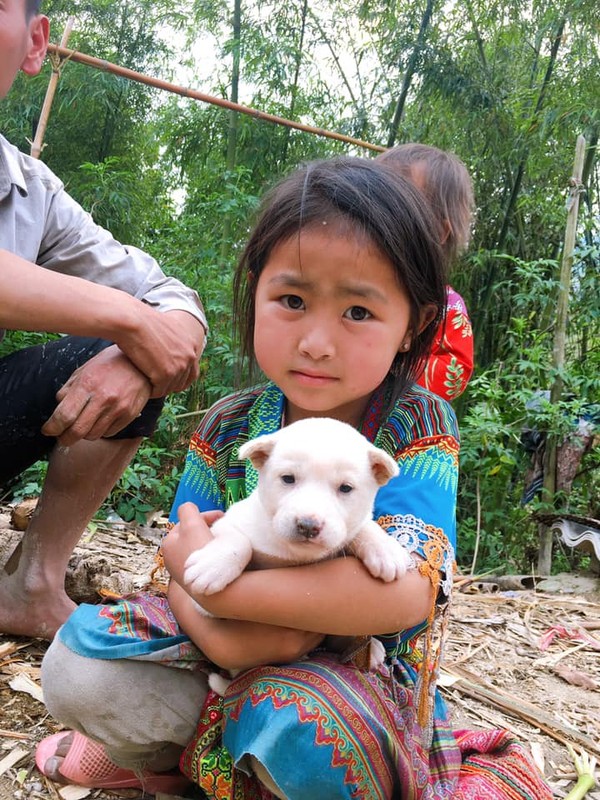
191,533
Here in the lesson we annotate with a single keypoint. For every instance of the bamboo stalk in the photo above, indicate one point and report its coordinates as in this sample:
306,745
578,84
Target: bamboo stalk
38,141
157,83
558,352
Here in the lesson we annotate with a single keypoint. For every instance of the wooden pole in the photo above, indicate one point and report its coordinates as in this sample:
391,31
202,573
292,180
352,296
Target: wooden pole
558,353
157,83
37,144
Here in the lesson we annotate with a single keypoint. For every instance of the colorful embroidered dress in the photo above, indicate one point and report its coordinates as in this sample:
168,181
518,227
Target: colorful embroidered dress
324,730
449,367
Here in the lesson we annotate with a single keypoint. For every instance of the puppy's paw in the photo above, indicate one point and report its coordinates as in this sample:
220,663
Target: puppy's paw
209,572
218,683
376,654
385,558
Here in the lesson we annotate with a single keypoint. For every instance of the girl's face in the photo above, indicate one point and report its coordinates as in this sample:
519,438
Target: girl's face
329,320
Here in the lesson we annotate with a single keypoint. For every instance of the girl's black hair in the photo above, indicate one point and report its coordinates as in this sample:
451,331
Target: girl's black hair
32,7
371,203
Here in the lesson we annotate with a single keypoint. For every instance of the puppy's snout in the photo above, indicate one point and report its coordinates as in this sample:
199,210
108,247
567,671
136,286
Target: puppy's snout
308,527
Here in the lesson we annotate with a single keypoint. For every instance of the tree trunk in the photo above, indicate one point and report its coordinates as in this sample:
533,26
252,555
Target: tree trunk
410,71
294,87
232,132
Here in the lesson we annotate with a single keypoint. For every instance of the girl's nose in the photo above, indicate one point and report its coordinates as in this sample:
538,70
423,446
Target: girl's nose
317,342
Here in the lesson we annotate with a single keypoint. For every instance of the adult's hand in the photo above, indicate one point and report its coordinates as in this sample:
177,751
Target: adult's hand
100,398
166,347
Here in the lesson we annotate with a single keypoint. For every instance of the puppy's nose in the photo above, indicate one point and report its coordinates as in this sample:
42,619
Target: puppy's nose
308,527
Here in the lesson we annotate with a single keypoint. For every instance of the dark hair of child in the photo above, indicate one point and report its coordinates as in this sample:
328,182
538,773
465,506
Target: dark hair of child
446,183
374,205
32,7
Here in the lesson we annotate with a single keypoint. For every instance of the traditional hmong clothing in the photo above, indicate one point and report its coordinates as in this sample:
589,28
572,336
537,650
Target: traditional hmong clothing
321,728
449,366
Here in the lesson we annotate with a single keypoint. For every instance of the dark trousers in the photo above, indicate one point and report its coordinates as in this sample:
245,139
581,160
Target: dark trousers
29,381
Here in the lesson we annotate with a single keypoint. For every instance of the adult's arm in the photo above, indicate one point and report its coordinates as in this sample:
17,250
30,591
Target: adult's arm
34,299
40,222
171,344
74,244
337,597
165,346
155,352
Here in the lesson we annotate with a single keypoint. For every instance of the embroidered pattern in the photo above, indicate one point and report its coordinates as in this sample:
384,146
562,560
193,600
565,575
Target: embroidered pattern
199,475
431,542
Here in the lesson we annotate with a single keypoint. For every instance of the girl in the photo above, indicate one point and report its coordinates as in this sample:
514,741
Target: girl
338,294
446,183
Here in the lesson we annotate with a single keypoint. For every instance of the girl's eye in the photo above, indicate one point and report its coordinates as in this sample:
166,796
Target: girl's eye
288,479
293,302
345,488
358,313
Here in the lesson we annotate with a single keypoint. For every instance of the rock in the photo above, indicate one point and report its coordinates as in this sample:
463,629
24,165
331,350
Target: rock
22,513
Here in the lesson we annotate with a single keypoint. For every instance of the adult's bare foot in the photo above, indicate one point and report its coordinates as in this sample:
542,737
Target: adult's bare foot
38,612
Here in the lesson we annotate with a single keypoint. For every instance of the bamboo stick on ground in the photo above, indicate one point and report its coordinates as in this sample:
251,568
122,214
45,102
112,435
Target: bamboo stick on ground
521,709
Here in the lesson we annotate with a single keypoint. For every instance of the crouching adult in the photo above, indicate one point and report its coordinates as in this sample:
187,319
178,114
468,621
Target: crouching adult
85,400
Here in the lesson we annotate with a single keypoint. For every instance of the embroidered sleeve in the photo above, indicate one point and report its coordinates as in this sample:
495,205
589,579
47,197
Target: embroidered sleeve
429,542
210,465
418,506
199,482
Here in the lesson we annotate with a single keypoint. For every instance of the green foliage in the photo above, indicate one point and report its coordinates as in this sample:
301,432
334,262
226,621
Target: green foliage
506,400
29,483
506,85
149,482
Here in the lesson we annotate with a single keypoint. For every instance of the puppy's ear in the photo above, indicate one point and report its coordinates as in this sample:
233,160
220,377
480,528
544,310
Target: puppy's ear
258,450
383,466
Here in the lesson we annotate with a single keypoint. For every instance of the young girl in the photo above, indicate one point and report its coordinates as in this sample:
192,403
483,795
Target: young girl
338,294
446,183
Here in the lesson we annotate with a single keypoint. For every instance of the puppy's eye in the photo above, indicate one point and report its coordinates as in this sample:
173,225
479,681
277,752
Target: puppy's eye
345,488
288,479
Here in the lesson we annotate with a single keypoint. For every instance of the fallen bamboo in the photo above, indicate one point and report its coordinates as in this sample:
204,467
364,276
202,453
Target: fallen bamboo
157,83
521,709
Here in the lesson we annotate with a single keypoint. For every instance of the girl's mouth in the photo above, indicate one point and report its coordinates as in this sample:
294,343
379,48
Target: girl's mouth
312,378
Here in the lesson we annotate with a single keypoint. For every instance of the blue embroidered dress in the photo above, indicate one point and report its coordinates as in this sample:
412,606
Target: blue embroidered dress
326,730
417,506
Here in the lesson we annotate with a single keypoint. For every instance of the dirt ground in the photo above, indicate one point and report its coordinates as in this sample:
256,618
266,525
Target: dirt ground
519,654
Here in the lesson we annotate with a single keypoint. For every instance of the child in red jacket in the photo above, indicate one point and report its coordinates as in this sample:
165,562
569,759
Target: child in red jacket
445,181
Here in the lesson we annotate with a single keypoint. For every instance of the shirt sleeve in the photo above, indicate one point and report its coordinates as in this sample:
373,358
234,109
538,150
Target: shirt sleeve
418,506
75,245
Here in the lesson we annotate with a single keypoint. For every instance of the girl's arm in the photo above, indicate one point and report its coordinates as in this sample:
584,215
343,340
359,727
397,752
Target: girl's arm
234,644
338,596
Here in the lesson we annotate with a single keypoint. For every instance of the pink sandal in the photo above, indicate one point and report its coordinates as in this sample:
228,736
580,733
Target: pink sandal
86,764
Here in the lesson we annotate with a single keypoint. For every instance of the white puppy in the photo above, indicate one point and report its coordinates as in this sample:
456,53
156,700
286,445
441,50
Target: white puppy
317,484
317,481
